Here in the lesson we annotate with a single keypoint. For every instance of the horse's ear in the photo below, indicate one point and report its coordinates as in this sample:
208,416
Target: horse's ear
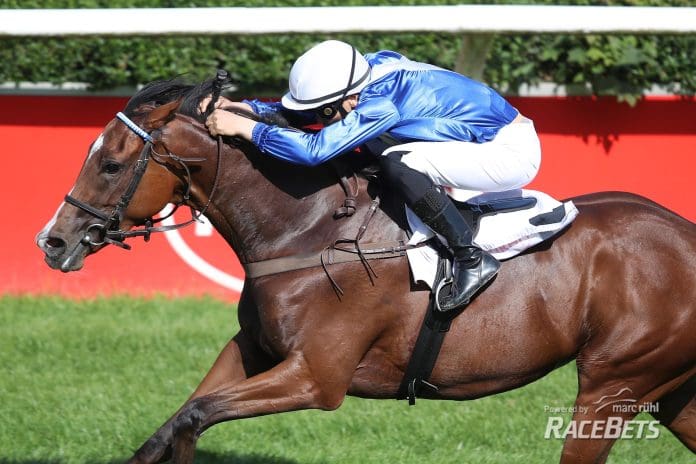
160,116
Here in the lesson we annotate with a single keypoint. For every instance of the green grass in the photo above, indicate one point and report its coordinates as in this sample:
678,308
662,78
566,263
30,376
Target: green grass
88,382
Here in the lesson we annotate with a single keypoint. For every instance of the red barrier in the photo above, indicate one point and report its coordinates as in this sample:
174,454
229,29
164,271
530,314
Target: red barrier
589,145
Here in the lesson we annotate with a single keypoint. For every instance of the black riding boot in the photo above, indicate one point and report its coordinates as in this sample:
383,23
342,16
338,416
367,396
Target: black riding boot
472,268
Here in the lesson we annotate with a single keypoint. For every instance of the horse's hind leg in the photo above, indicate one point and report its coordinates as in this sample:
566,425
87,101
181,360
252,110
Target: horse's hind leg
594,428
677,412
238,360
603,409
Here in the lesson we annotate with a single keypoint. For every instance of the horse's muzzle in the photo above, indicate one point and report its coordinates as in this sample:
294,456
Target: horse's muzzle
55,249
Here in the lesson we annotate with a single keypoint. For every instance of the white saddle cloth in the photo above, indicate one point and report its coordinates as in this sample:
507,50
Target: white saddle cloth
504,235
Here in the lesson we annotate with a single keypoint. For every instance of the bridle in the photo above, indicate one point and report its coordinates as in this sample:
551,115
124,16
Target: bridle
110,232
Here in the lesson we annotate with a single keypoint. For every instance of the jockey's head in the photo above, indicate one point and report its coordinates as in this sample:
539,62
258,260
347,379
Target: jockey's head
324,76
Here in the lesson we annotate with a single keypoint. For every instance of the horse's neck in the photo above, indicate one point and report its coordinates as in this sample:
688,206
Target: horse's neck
266,208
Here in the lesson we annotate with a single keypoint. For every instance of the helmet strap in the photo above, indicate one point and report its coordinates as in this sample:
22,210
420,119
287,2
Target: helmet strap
342,110
339,106
353,52
326,112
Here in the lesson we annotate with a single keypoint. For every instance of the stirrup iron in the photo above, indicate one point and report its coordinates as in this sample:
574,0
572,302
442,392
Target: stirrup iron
447,279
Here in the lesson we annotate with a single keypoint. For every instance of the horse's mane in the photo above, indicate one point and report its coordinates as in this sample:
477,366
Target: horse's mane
160,92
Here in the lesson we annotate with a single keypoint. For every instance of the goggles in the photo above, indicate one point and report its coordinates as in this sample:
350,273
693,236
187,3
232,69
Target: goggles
326,113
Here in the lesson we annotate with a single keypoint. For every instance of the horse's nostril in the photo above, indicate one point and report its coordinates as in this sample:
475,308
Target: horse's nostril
54,246
54,242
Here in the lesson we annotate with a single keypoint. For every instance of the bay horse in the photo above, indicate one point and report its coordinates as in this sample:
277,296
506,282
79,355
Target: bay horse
616,291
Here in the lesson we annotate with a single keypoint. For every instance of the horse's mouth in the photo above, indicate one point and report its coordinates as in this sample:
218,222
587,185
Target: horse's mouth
60,259
67,264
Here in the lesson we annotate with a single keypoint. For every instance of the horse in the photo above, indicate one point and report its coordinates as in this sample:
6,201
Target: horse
615,291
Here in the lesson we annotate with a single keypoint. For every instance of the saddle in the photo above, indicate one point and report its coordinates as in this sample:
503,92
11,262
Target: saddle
473,212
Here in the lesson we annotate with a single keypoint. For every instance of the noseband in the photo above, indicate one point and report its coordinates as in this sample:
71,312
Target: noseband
110,232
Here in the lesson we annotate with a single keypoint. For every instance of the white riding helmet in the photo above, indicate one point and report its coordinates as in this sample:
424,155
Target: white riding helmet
325,73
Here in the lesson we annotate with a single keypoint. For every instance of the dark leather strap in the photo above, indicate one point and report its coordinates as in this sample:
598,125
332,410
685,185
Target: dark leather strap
432,333
85,207
350,202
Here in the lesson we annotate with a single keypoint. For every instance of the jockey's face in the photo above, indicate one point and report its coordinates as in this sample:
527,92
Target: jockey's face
326,116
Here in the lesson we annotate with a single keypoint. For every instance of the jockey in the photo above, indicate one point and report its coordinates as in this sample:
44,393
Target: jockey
455,132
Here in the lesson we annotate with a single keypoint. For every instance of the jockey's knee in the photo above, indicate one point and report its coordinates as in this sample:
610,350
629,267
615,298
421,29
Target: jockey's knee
411,183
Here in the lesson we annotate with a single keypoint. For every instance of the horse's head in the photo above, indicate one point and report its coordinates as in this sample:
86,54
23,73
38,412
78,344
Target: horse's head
123,183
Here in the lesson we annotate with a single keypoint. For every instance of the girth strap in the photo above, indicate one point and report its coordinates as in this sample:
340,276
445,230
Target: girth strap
432,334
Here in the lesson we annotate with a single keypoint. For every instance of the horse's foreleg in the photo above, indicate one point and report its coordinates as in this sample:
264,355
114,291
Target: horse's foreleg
289,386
238,360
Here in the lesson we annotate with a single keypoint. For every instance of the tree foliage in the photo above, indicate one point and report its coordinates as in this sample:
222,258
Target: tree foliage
622,65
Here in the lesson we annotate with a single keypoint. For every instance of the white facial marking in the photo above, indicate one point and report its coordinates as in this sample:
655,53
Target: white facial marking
42,236
96,145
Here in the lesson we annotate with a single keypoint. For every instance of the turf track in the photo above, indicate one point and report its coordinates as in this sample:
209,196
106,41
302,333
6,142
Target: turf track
87,382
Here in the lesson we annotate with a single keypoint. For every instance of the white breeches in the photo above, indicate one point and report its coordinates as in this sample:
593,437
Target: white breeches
510,161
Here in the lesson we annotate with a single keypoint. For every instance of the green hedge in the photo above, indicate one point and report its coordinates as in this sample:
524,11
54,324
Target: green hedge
625,66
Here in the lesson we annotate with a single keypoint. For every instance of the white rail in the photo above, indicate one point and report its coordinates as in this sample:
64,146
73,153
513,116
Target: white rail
454,19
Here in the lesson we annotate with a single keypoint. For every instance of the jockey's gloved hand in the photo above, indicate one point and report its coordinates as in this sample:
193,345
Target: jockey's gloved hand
222,102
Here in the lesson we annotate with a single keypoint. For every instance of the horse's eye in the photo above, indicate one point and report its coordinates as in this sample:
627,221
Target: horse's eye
111,167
